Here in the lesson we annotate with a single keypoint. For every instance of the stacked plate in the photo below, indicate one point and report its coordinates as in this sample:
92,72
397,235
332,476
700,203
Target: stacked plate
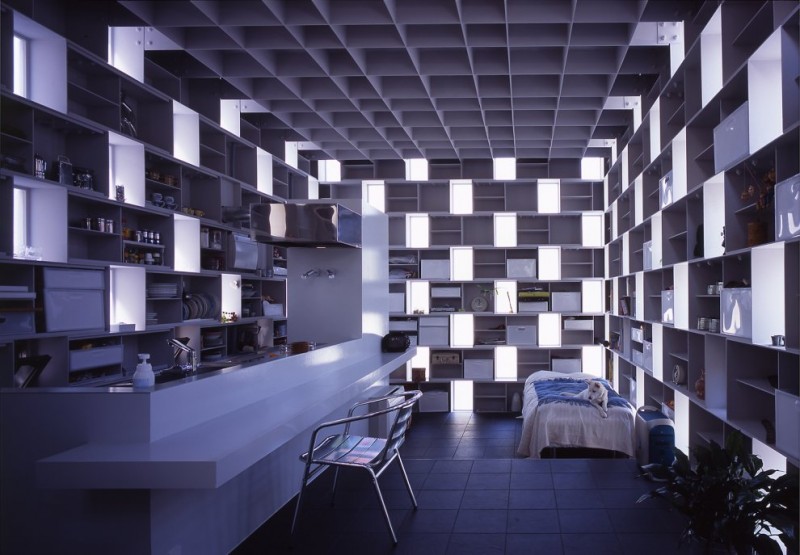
162,290
151,318
200,306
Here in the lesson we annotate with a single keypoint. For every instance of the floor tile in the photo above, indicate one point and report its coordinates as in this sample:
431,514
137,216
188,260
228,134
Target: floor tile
476,496
575,521
533,544
485,499
596,544
531,481
538,521
470,453
429,521
491,466
420,544
653,544
481,521
488,481
530,466
579,499
635,520
446,481
476,544
573,480
439,452
450,467
531,499
439,499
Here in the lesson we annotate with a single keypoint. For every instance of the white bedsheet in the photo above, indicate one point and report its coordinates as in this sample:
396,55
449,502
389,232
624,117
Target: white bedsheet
572,425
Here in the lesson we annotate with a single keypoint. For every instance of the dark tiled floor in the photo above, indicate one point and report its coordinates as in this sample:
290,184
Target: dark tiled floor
475,496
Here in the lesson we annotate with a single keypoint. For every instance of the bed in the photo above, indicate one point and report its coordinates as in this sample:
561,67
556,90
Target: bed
553,420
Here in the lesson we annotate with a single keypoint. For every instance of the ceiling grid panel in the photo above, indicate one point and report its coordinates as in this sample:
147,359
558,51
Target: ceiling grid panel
372,79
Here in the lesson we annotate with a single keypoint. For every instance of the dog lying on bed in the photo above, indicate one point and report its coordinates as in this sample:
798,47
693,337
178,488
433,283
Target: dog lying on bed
596,393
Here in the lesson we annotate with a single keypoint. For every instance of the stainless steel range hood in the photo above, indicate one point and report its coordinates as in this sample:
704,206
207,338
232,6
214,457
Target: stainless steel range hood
305,224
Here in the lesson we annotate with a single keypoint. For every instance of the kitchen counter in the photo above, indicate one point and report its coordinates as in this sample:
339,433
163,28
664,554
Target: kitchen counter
232,433
162,468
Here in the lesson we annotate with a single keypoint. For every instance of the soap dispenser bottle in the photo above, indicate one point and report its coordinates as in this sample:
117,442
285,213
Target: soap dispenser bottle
143,377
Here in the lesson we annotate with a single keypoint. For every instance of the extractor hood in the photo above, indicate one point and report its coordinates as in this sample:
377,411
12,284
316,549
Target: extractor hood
305,224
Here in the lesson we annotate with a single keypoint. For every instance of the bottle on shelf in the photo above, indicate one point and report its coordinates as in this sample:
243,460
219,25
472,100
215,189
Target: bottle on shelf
143,377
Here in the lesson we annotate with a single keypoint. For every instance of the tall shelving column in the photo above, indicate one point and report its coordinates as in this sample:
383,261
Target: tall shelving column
715,278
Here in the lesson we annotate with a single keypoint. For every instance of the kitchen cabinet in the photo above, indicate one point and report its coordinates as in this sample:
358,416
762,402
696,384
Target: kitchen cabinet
132,177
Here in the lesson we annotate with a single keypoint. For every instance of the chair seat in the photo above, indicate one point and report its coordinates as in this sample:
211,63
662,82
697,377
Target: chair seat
348,449
372,454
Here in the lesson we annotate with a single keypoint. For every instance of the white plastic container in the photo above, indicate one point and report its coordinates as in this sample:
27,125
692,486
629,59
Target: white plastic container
143,377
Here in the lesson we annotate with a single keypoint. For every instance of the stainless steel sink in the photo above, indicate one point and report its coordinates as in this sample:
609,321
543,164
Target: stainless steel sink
178,373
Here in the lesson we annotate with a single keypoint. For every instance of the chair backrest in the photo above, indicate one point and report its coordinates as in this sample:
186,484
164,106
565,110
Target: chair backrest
397,433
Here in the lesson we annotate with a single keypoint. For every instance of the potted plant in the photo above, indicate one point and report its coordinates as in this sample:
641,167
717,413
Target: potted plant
732,504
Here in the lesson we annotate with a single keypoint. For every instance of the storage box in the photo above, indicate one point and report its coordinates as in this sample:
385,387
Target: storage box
665,189
668,306
68,278
637,334
434,401
74,309
397,302
533,306
273,309
565,301
478,369
16,322
736,307
434,330
445,292
787,209
521,335
445,358
82,359
732,139
787,423
637,357
435,269
578,324
647,350
403,325
521,267
434,321
566,365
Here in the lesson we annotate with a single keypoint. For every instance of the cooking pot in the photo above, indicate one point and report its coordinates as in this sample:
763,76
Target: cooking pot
395,342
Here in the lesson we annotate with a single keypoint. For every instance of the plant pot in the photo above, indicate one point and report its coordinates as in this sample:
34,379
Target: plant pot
700,385
756,233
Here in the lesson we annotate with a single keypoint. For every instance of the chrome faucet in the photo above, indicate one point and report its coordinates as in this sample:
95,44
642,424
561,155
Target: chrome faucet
191,354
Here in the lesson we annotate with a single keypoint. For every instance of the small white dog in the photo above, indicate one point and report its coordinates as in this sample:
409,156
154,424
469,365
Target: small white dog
597,394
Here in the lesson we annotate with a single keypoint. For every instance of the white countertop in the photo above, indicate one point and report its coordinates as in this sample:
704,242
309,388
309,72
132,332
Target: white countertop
204,432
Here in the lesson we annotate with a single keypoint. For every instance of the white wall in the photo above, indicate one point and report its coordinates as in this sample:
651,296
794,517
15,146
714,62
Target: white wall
353,303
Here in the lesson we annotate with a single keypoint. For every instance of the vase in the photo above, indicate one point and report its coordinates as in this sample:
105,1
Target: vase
756,233
700,385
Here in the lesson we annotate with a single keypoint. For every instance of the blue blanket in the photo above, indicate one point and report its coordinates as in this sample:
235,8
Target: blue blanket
550,391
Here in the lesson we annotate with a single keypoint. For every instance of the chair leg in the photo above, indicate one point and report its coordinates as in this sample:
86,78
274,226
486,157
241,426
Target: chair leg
383,506
408,483
335,480
299,501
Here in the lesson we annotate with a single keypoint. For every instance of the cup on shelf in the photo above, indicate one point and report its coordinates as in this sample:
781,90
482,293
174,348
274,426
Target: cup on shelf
157,197
778,340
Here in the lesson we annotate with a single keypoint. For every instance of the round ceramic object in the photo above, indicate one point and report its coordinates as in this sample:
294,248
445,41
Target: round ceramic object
479,304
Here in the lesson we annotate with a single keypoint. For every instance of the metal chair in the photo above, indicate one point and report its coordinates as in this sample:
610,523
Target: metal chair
369,453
